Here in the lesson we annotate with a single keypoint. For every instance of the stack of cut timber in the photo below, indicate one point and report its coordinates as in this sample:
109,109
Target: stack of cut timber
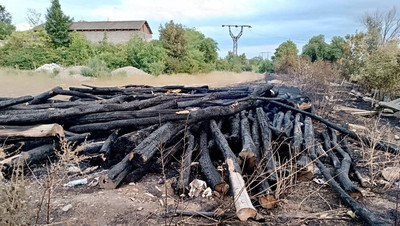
252,131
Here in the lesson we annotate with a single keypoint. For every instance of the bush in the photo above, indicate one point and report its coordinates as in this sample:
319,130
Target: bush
382,70
285,57
96,68
147,56
28,50
265,66
79,51
115,56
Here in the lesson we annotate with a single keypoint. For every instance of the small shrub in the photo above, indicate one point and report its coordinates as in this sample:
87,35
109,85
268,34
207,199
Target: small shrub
55,72
15,208
382,70
96,68
87,72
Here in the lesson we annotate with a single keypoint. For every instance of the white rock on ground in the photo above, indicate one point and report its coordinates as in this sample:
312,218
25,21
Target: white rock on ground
49,67
67,207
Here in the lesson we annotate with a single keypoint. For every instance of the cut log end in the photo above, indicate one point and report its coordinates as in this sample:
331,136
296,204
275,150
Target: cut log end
267,202
245,213
249,160
357,194
222,188
243,205
107,183
57,130
305,176
307,169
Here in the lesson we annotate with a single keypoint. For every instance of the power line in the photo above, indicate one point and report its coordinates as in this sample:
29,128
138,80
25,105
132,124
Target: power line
235,38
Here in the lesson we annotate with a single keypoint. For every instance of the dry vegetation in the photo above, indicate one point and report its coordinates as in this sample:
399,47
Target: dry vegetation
319,79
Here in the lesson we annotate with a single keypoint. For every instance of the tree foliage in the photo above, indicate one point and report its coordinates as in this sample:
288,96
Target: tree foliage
5,17
57,25
6,28
382,69
172,36
354,52
28,50
148,56
335,49
316,48
201,52
79,51
285,49
285,57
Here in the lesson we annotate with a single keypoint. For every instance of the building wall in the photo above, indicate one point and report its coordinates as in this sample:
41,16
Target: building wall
114,37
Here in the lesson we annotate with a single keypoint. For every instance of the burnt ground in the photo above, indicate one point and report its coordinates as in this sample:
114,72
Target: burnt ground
144,202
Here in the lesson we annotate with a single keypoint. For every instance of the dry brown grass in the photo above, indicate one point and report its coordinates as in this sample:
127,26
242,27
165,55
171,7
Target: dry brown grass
374,160
19,82
57,173
15,208
319,80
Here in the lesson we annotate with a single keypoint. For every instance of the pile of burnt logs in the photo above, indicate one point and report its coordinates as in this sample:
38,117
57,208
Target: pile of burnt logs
252,133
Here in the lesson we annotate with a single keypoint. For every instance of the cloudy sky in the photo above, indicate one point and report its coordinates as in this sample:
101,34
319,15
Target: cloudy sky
273,22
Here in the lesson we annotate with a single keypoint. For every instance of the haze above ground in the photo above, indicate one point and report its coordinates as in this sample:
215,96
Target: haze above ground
273,22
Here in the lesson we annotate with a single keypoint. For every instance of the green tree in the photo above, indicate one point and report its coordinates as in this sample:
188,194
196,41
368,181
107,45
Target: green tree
285,57
147,56
115,56
335,49
316,48
382,70
28,50
355,49
201,52
79,51
172,36
57,25
6,28
285,49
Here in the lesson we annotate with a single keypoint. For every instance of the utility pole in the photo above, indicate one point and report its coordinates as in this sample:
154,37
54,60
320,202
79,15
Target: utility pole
236,38
262,54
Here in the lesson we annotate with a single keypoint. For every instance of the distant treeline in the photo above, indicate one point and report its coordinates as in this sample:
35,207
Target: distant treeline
189,51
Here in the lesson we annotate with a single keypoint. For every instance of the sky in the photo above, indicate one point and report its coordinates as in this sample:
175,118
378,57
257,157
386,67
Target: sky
272,22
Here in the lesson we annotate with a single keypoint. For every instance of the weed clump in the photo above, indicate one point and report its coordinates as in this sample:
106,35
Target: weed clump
96,68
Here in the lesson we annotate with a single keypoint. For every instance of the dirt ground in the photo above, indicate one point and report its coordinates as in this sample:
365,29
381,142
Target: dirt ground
145,202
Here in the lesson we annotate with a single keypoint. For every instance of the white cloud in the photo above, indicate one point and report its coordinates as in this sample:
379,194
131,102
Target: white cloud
179,10
22,26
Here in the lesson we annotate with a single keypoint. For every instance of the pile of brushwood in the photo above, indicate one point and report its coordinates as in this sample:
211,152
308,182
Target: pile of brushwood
251,132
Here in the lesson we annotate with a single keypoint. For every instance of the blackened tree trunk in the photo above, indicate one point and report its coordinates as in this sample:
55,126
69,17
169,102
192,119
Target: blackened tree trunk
209,171
249,155
184,177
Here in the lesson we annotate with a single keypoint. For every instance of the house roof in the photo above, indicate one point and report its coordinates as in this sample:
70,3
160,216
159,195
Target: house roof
109,25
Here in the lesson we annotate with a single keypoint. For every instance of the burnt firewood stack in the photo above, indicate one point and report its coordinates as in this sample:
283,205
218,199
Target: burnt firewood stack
252,132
